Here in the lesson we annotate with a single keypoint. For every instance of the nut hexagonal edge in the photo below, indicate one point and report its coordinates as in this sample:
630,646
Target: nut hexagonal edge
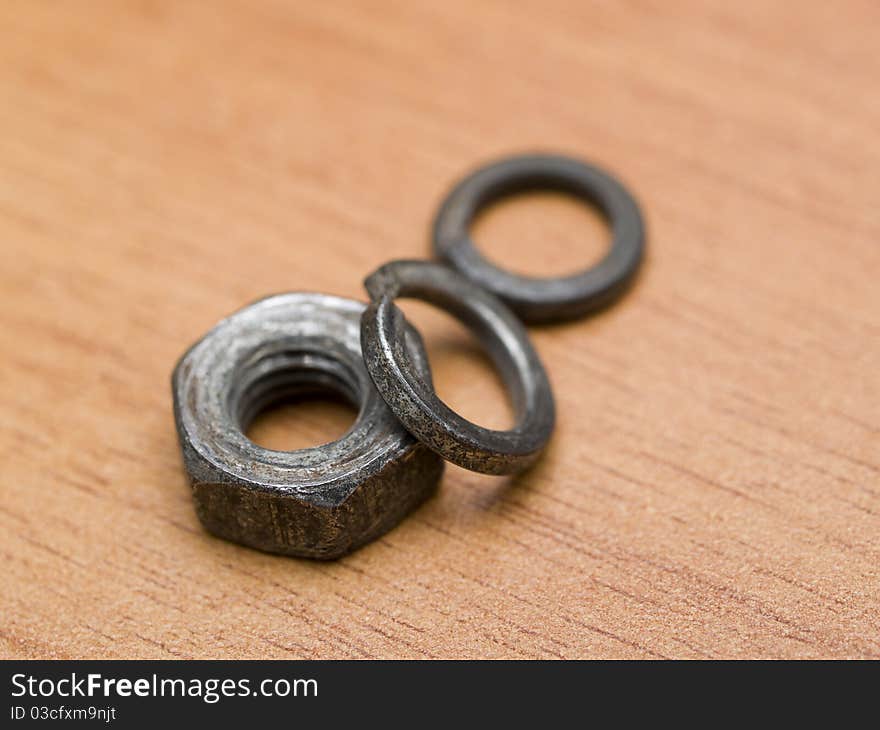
278,521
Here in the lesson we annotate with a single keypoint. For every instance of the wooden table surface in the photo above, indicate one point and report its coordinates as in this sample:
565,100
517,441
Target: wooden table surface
713,485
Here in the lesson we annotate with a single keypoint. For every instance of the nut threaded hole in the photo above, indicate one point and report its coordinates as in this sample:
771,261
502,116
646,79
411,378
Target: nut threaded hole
291,400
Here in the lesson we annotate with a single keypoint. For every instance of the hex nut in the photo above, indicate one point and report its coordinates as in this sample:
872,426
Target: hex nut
320,502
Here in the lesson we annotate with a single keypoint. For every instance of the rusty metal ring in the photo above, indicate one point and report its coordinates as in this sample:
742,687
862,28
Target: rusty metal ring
537,299
412,397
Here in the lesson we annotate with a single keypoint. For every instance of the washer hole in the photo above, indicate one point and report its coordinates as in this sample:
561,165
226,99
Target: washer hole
464,375
541,233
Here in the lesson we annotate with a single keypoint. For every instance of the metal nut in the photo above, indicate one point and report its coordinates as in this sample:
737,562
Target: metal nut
320,502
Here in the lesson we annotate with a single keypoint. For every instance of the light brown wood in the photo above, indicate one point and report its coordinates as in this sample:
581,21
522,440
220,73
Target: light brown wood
713,486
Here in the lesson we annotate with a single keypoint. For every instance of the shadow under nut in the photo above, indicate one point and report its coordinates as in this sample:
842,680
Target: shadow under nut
319,502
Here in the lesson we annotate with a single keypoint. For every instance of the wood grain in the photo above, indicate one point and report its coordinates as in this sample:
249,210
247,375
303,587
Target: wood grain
713,488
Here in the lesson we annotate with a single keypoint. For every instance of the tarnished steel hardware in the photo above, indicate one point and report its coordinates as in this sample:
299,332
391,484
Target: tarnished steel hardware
411,396
537,299
320,502
325,501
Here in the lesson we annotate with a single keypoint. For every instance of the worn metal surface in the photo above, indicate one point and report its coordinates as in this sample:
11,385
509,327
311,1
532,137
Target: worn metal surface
411,395
537,299
319,502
